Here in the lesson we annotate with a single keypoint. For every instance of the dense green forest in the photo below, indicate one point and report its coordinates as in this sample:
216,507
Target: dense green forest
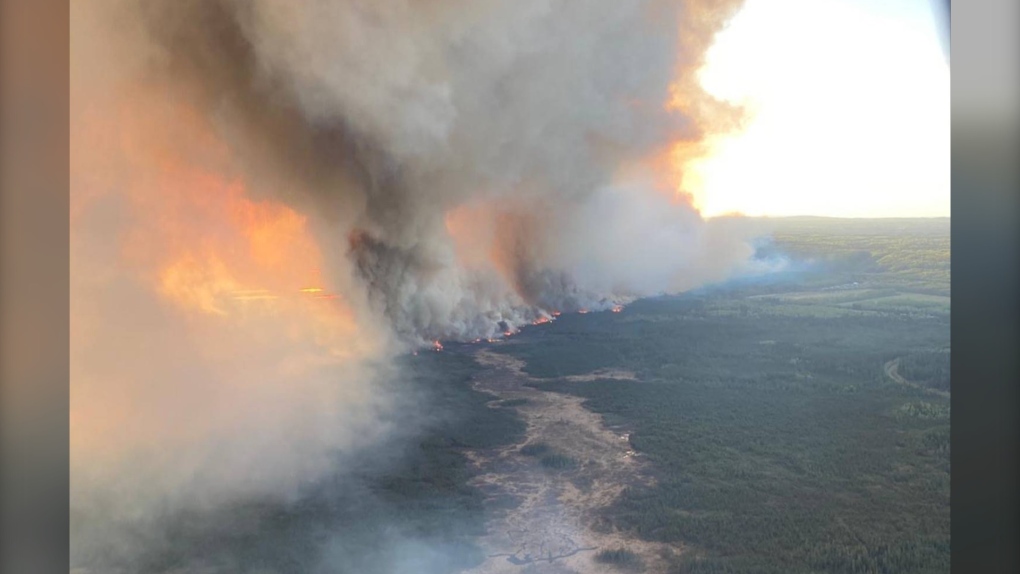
904,254
779,442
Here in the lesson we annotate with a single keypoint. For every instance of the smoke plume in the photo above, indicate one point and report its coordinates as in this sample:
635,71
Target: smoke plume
271,200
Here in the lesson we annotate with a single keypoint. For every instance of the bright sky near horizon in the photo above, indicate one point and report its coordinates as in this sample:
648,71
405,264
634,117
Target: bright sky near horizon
849,111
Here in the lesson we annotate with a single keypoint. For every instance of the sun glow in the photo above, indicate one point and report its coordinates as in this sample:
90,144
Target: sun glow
847,112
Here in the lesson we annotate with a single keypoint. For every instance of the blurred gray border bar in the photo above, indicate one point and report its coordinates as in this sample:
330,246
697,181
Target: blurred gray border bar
34,268
986,286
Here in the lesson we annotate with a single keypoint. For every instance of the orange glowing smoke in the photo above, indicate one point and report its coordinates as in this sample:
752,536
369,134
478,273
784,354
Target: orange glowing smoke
617,308
487,235
470,227
242,274
712,118
252,253
206,245
437,346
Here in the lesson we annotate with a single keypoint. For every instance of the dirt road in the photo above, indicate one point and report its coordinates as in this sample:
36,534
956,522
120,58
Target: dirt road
892,370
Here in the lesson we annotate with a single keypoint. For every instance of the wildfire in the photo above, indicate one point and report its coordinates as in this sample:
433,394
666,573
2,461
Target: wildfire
555,313
318,293
582,311
253,295
617,308
246,294
437,346
541,320
207,245
225,285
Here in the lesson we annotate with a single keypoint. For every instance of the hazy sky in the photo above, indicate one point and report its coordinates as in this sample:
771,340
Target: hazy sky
849,103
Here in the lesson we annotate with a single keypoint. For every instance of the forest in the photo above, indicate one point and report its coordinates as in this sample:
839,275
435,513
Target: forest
796,421
779,441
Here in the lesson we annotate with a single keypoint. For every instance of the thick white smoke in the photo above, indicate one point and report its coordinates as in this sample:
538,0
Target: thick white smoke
443,168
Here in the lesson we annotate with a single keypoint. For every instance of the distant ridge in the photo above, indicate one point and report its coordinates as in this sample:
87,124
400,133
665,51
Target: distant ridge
831,218
813,224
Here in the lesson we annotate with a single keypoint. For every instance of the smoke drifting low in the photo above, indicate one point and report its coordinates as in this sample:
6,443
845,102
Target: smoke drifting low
270,200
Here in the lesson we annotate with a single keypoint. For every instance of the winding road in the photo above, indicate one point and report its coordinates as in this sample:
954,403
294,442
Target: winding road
892,370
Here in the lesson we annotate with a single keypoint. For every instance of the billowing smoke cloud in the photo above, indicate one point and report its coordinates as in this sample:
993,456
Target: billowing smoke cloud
272,199
390,116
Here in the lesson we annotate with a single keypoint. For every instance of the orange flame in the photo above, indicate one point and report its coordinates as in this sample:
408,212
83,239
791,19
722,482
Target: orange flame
196,234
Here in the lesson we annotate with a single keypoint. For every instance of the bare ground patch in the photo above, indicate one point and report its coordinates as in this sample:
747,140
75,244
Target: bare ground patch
575,467
602,374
